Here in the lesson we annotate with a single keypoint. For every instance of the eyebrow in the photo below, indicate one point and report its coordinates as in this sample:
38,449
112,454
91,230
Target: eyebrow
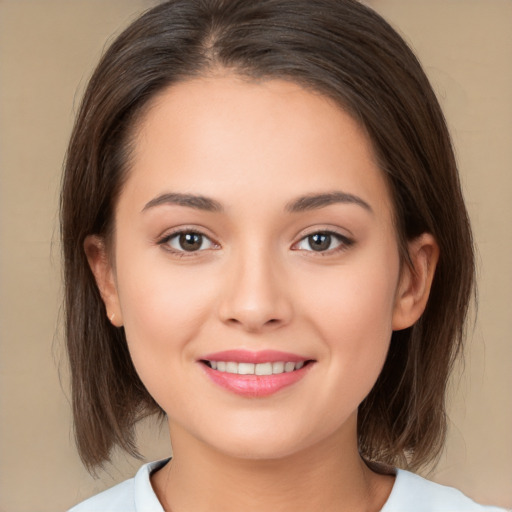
316,201
190,200
301,204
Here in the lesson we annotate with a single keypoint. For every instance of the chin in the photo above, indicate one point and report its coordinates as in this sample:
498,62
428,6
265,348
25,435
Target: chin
263,442
259,449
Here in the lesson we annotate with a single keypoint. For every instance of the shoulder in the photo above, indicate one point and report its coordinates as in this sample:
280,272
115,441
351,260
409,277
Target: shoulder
133,495
412,492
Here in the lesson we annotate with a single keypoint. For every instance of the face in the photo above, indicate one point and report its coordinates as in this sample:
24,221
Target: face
256,268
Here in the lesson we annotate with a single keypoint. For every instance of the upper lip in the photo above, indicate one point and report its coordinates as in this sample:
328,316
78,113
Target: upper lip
248,356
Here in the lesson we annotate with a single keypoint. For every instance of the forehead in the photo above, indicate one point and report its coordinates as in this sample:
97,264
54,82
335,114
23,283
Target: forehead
229,137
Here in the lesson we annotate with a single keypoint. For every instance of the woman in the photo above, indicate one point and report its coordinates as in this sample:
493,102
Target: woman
265,240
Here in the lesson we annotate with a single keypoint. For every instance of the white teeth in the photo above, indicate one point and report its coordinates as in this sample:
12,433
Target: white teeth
263,369
289,367
256,369
277,367
246,368
231,367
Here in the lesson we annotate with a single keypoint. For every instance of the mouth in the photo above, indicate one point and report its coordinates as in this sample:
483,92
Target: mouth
255,374
266,368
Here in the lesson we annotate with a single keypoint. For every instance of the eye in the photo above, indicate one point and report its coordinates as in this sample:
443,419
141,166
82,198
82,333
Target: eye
188,241
323,241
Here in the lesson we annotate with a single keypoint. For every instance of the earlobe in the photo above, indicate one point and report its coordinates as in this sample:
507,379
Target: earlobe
416,281
101,267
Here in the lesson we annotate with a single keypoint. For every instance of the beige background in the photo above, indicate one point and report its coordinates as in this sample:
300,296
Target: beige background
47,49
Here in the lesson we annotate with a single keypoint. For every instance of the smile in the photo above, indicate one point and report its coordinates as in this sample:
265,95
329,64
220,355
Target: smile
267,368
255,374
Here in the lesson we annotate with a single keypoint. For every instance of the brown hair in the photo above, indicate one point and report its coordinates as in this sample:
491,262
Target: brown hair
341,49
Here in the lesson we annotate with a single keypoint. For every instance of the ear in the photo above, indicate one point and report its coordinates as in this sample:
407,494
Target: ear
415,282
99,261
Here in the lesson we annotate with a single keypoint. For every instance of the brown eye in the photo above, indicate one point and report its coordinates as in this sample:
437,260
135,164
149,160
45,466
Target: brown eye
319,241
324,241
188,241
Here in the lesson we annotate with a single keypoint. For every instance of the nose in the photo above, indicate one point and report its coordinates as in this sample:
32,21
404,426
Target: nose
256,292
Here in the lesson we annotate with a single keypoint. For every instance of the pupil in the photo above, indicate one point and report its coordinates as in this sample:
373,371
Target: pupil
320,241
191,241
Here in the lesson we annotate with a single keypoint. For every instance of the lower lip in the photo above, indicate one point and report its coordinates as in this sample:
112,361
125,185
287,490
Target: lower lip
255,385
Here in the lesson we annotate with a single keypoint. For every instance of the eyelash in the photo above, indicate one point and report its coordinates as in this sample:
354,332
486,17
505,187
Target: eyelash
176,234
343,241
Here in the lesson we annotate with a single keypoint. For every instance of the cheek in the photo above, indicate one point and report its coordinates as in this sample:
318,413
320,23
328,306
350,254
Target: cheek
356,298
352,311
163,308
155,308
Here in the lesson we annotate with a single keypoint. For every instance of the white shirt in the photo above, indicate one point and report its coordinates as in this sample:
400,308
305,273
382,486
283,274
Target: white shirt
410,493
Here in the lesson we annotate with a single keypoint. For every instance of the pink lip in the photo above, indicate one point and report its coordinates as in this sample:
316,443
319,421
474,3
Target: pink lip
254,385
246,356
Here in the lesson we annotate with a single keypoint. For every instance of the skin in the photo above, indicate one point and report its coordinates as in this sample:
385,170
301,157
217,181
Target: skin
256,284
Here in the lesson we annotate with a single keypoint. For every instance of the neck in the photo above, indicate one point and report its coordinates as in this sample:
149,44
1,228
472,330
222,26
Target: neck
329,476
